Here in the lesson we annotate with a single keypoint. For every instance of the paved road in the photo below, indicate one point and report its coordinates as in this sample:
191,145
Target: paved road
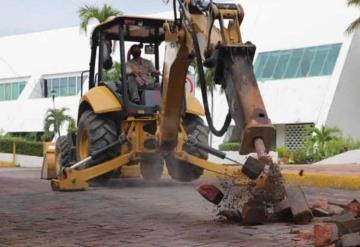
127,213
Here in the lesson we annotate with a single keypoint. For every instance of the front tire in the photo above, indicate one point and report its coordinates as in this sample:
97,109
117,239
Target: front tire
184,171
94,132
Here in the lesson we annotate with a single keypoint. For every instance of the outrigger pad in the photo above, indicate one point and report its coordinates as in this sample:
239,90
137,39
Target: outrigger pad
252,168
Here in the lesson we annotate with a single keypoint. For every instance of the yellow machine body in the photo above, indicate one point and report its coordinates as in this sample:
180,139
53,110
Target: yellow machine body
102,100
165,130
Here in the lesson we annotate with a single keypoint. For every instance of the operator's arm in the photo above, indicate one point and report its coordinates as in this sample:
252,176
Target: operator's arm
152,70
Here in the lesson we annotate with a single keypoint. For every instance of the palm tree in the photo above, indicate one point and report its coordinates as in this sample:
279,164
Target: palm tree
356,23
88,12
318,138
55,118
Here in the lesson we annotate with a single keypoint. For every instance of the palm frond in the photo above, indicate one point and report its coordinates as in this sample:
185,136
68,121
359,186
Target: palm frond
88,12
56,118
353,26
355,3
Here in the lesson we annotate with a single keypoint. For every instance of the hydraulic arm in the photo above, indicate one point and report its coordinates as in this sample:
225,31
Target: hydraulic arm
196,36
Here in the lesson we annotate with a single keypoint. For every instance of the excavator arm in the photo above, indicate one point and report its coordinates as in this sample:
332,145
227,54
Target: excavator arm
196,36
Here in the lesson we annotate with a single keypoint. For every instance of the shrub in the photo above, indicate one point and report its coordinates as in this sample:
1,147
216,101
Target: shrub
322,143
22,146
229,146
283,152
300,156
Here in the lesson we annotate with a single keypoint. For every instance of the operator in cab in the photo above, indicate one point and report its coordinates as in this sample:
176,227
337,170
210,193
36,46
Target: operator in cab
140,72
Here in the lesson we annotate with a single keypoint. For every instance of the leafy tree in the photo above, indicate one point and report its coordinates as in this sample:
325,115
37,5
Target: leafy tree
89,12
55,119
356,23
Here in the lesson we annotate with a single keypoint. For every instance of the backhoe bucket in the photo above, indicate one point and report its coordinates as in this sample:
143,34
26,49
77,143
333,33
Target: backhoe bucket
48,170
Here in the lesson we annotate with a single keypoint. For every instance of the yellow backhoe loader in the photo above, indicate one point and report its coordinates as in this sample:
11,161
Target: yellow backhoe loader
166,128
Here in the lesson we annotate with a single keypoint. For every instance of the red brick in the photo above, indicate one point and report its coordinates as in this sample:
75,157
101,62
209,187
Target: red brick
306,235
253,213
325,234
322,203
211,193
353,207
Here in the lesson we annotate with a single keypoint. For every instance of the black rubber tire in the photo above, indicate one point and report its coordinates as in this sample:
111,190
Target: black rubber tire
181,170
63,149
151,167
101,131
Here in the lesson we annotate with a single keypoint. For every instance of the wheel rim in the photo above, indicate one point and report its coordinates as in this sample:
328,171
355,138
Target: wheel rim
84,146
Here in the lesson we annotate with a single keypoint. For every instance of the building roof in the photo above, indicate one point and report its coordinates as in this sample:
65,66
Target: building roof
47,52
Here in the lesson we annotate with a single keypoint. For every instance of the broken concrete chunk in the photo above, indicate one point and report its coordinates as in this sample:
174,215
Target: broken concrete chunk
211,193
333,209
319,212
350,240
341,217
346,223
296,203
349,226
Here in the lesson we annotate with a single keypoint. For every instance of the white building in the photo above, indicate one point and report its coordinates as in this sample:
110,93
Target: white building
307,69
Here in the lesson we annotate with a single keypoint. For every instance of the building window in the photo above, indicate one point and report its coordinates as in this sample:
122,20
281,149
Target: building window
11,91
64,86
296,63
295,136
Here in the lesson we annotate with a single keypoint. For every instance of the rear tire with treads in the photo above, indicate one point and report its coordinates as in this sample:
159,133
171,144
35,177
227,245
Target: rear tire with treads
181,170
94,132
63,153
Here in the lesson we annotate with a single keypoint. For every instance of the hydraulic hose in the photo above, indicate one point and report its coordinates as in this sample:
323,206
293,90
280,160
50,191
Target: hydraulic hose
202,80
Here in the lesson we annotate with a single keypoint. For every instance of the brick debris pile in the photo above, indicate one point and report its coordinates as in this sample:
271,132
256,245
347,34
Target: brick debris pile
334,224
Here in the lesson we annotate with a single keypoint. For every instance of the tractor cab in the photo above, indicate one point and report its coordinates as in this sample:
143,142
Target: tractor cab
114,38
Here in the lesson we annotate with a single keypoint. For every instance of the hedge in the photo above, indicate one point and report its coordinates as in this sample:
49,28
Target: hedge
229,146
22,147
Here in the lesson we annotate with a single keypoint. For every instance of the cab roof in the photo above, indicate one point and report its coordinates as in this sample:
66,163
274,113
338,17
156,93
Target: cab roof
136,29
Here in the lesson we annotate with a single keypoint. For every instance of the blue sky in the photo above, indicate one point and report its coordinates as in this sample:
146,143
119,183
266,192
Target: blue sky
24,16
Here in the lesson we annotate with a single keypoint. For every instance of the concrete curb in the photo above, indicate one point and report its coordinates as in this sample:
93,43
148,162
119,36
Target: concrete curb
323,180
319,180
